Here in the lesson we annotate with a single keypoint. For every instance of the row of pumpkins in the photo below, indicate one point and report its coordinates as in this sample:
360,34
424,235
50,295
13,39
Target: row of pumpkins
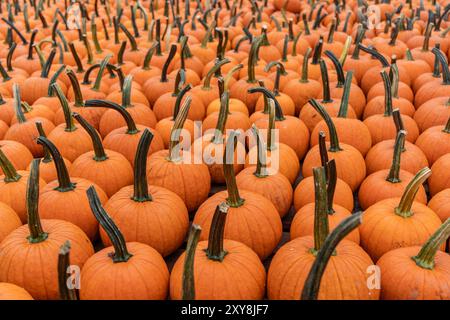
91,123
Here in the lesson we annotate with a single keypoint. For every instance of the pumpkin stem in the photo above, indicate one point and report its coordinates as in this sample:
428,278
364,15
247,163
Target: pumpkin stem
312,283
331,177
337,67
4,73
63,174
406,202
426,255
222,118
261,161
174,143
279,116
126,91
48,64
130,37
394,172
11,175
444,66
387,94
79,102
212,71
317,51
304,73
148,57
344,54
226,79
398,124
334,140
18,104
215,250
31,44
305,24
323,151
321,228
409,56
98,79
188,287
343,108
70,126
180,96
47,157
141,193
99,151
395,80
97,46
234,200
271,125
131,125
121,253
65,293
253,60
331,31
359,38
13,27
37,234
76,57
447,125
170,56
375,54
426,39
53,80
9,57
121,52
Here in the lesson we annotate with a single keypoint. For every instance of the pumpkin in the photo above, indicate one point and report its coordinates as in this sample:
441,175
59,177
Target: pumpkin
9,291
191,274
125,139
434,112
427,267
274,186
135,270
441,177
65,197
17,153
435,142
440,203
344,155
398,222
288,277
10,220
245,210
33,248
164,212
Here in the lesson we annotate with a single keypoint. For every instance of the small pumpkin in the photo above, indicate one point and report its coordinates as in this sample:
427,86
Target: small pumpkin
441,177
440,204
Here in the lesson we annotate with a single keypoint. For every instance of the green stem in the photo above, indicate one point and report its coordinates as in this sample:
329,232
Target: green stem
131,125
323,151
121,253
148,57
77,59
387,94
79,102
325,82
375,54
70,126
317,52
331,176
98,79
279,116
188,288
9,57
130,37
11,175
31,44
53,80
252,60
65,293
337,67
4,73
234,200
406,202
126,91
212,71
426,255
99,151
47,157
121,52
261,161
444,66
141,193
321,228
215,250
174,143
171,55
304,73
37,234
48,64
334,141
180,96
394,172
312,283
343,108
63,174
18,104
426,39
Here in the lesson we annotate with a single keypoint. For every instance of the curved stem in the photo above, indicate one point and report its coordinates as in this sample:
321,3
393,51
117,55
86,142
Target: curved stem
77,59
121,253
343,108
304,72
325,82
253,60
344,54
48,64
65,293
130,37
63,174
261,170
9,57
79,102
11,175
215,250
131,125
98,79
387,94
375,54
70,126
226,79
148,57
31,44
13,27
37,234
222,118
444,66
126,91
406,202
180,96
427,36
323,151
121,52
321,228
170,56
337,67
99,151
212,71
279,116
331,176
188,287
53,80
47,157
394,172
334,141
18,104
141,193
426,255
317,53
447,125
234,200
312,283
174,143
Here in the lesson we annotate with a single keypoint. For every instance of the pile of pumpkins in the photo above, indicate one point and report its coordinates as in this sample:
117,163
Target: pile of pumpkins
120,119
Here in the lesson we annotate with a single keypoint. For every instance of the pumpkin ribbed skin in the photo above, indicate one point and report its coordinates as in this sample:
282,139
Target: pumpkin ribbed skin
434,143
240,276
17,153
161,223
143,277
9,291
33,266
440,204
291,264
256,223
303,222
10,221
382,230
403,280
440,179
